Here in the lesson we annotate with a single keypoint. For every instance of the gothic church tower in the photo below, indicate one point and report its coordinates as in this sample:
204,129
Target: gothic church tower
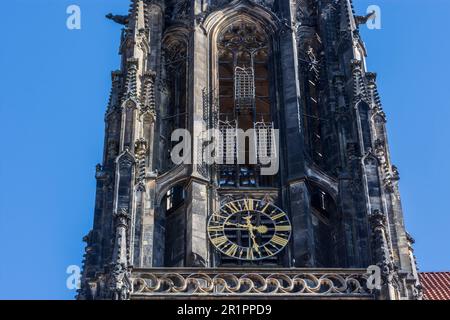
331,210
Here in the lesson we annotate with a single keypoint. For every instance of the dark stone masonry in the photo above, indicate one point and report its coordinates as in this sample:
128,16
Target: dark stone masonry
298,66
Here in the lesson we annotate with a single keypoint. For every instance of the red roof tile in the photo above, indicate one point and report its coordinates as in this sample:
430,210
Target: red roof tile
436,285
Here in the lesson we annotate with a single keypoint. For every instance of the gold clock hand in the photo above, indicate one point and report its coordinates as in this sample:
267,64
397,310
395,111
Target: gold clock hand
255,245
261,229
236,225
251,227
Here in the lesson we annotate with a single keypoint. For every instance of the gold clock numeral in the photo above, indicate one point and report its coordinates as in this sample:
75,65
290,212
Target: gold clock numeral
248,204
283,228
250,255
216,215
219,241
279,240
241,253
232,250
269,253
232,207
278,216
265,208
215,228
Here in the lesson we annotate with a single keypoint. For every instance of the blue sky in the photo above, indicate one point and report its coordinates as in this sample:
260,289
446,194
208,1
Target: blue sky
53,92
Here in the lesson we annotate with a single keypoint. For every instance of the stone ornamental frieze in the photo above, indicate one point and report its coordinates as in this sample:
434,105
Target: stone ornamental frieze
261,283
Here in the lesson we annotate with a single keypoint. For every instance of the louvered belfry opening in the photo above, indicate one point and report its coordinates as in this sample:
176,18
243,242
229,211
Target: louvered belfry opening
244,103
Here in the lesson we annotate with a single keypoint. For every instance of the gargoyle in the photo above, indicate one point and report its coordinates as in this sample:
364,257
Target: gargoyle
118,19
363,19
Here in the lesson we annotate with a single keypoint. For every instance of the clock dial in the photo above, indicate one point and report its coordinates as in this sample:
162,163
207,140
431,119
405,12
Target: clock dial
249,229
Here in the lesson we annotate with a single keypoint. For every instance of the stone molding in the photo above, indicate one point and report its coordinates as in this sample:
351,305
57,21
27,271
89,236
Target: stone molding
350,283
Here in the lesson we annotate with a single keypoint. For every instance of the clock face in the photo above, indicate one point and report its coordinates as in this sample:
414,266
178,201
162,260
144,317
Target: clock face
249,229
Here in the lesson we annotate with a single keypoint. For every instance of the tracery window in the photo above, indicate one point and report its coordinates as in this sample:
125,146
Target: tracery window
243,97
173,112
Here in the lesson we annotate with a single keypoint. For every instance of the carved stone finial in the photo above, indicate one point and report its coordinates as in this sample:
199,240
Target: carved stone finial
395,173
119,284
371,76
140,145
377,219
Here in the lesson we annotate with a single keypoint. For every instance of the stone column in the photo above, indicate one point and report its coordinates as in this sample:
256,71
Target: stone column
303,234
197,214
197,194
382,256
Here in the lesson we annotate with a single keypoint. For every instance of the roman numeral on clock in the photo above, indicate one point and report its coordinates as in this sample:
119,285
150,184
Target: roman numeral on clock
219,241
278,216
248,204
218,216
279,241
282,228
250,255
232,207
232,250
215,228
263,210
269,253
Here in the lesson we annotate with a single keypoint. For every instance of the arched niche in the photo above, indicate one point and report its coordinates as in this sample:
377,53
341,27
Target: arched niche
380,126
325,221
365,124
243,85
373,182
173,89
155,18
170,229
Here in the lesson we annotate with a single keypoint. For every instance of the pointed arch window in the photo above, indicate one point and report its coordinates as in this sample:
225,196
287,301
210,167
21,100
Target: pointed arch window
244,98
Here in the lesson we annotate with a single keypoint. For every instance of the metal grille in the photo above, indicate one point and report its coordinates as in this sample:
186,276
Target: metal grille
206,97
265,142
244,81
227,143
